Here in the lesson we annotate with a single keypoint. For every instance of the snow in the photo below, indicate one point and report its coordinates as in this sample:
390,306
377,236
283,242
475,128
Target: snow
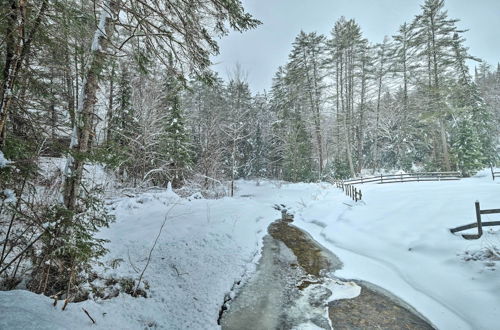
3,161
10,196
331,288
94,175
101,28
397,238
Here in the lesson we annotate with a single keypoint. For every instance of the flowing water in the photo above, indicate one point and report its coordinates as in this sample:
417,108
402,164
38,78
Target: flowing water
294,288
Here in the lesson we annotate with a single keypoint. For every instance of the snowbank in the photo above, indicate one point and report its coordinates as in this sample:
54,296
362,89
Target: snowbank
205,247
399,239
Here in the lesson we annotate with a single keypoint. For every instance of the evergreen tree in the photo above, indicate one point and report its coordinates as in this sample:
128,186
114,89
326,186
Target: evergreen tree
434,33
348,54
471,107
260,138
280,105
304,72
467,147
298,164
239,125
176,141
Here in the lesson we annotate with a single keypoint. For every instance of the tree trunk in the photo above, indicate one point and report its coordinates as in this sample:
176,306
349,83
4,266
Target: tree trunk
84,117
376,154
18,44
437,99
314,103
109,115
361,118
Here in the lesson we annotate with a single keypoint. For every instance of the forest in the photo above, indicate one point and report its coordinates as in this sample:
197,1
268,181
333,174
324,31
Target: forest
128,84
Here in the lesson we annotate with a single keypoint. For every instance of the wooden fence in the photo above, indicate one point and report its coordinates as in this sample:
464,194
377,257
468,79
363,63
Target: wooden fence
479,224
407,177
494,173
350,190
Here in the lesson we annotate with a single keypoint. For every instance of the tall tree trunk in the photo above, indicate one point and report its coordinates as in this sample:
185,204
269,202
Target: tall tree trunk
109,114
361,123
344,88
437,99
84,116
376,154
337,103
314,104
18,43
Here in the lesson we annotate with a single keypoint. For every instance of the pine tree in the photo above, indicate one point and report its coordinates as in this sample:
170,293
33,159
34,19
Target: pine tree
347,54
258,163
467,147
298,164
434,40
470,105
279,106
304,71
176,142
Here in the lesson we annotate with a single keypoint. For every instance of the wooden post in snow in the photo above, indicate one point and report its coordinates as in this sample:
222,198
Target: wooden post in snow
478,219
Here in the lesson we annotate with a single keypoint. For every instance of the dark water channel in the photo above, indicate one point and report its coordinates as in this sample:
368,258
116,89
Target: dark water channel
294,285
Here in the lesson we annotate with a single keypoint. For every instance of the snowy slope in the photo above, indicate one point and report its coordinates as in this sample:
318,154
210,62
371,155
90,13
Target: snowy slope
397,238
205,247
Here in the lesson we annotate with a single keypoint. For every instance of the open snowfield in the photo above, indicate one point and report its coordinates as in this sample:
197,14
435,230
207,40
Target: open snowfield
397,238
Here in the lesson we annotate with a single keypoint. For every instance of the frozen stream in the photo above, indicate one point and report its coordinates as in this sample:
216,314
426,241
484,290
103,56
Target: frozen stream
294,288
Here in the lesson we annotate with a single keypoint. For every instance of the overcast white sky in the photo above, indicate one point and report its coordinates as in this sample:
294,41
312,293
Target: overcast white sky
262,50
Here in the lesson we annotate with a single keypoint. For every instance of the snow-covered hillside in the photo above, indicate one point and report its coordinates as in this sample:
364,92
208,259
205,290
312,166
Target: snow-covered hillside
397,238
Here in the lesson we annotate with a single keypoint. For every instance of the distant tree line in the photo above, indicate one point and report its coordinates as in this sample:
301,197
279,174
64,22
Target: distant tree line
407,101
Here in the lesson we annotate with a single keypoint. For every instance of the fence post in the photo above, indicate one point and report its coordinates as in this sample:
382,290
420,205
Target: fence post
401,177
478,218
381,178
355,194
492,173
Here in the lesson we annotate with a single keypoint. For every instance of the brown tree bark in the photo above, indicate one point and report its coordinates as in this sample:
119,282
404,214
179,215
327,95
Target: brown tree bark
18,43
82,128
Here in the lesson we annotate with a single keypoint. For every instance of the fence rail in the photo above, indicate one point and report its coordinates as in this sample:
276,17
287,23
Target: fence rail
479,224
353,192
407,177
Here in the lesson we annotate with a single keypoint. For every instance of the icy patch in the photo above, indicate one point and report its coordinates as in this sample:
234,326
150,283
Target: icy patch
263,300
310,310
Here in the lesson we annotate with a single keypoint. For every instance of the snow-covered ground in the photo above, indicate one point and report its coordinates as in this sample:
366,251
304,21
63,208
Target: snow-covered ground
397,238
